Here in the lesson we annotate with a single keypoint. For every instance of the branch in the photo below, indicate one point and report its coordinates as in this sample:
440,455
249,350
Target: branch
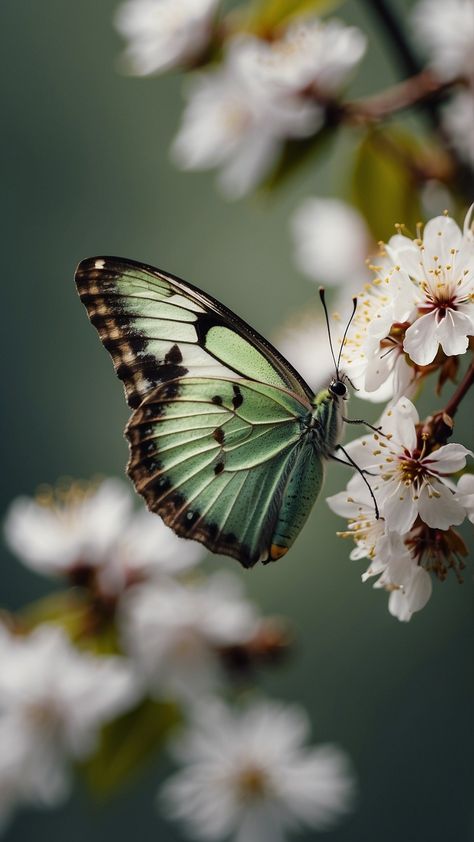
438,427
464,386
422,88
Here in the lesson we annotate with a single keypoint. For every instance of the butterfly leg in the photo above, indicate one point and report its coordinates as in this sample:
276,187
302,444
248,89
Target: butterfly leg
359,471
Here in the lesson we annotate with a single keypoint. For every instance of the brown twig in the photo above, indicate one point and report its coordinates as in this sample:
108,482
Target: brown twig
416,90
438,427
464,386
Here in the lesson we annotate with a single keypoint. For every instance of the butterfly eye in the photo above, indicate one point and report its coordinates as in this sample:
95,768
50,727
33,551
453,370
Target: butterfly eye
338,388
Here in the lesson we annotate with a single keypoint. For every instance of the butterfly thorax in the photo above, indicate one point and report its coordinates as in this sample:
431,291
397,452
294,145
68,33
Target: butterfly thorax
327,417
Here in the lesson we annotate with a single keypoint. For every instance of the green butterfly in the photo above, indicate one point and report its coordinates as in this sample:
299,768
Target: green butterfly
227,442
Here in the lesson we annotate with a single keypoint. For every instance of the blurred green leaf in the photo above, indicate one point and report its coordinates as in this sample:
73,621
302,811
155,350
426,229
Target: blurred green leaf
87,623
295,154
127,744
385,182
262,17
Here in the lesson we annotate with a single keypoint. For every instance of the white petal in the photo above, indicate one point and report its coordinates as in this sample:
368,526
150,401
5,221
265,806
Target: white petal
400,509
419,590
438,507
448,459
398,606
421,343
452,332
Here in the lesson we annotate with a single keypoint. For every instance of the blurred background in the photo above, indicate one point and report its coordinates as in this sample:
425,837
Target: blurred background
86,171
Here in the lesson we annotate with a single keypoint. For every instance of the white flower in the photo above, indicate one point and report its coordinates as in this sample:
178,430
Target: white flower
232,123
465,495
406,481
423,298
435,290
249,777
458,120
84,526
68,526
446,29
164,33
391,556
311,55
53,701
174,631
331,241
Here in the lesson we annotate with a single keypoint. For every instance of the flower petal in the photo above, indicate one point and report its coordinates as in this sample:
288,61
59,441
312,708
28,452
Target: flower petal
421,343
438,507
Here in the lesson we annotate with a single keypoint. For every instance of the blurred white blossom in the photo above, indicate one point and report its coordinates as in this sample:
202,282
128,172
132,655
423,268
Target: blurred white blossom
331,242
164,33
458,121
392,556
53,701
312,56
237,117
173,631
446,30
233,123
465,495
407,481
248,776
303,340
95,526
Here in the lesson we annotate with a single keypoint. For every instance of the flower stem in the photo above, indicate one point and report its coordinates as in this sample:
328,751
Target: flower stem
416,90
464,386
438,427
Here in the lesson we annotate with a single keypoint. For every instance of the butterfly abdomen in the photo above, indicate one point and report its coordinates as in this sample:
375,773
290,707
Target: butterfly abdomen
301,491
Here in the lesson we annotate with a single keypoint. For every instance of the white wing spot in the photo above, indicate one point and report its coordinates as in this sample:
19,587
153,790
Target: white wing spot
99,264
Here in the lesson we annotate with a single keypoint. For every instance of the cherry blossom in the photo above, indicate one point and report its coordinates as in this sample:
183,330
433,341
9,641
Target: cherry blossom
248,776
162,34
93,527
174,631
407,480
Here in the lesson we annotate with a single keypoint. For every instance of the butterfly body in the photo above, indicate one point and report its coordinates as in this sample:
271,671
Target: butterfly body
227,442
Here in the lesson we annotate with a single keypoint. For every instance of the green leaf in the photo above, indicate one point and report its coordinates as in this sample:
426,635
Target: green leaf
83,620
127,744
262,17
385,182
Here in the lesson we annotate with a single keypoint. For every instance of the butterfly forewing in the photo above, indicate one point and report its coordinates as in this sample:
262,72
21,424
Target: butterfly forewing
159,328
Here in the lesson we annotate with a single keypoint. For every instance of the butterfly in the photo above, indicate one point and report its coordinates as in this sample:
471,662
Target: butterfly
227,442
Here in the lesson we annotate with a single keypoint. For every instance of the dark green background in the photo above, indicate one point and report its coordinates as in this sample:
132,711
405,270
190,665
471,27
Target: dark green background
85,170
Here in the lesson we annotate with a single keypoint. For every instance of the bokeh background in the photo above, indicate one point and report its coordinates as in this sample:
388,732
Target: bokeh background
85,170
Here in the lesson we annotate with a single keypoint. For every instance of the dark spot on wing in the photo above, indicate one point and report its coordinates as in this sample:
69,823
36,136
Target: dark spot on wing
174,356
219,435
218,468
217,400
238,399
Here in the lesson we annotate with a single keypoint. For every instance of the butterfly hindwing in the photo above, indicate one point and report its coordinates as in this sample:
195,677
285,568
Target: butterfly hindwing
213,457
159,328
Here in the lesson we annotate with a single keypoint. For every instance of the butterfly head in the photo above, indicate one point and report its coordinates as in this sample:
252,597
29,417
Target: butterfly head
338,387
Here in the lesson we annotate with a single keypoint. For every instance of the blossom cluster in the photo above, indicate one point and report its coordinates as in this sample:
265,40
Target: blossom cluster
262,93
178,632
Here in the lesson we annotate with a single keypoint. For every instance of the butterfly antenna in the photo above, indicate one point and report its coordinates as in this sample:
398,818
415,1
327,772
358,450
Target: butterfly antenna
354,308
323,302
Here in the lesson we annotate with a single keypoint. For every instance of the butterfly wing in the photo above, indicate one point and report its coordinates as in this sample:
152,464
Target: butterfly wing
217,459
158,328
217,437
